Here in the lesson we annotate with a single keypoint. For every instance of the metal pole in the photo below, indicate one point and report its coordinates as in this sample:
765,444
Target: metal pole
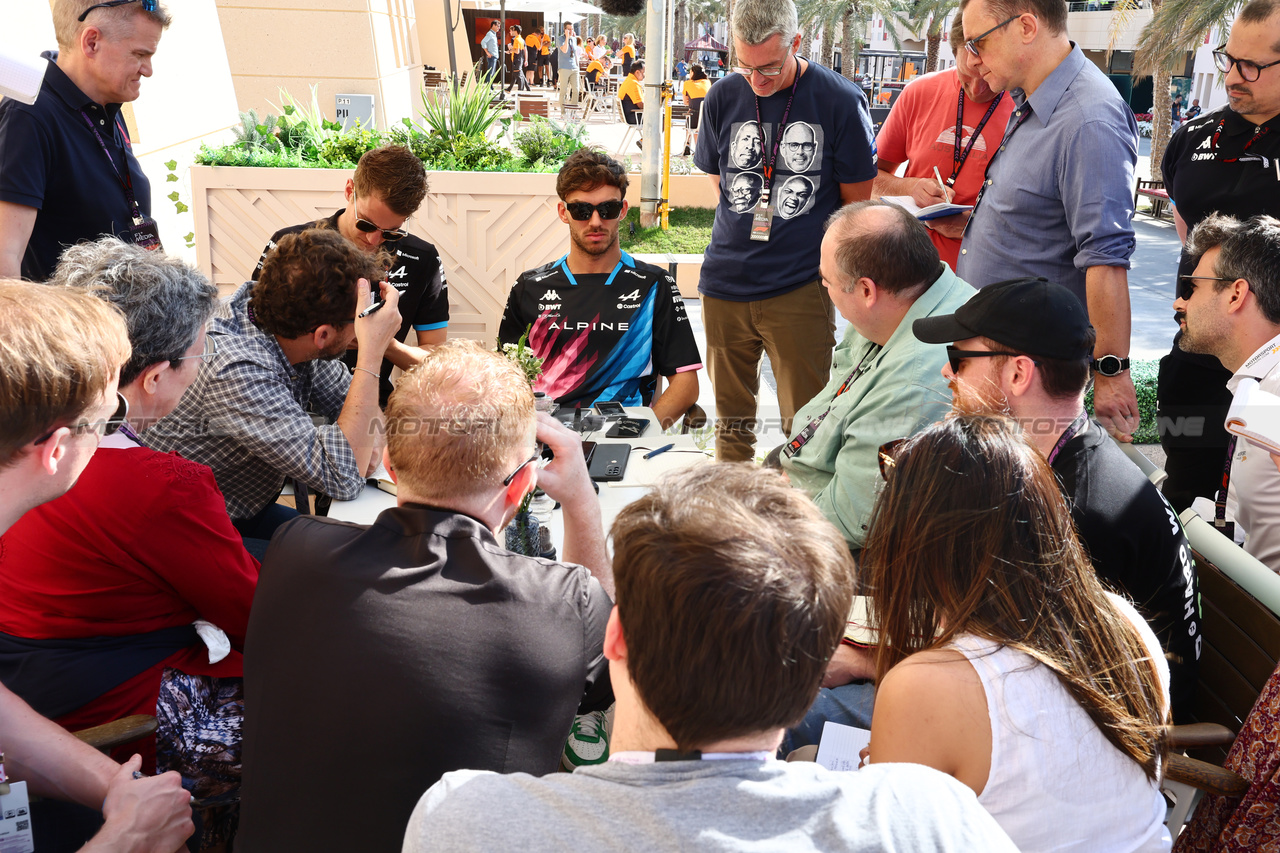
449,25
502,49
651,166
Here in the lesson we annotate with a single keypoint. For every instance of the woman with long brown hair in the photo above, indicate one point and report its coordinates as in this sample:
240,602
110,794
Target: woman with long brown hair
1002,659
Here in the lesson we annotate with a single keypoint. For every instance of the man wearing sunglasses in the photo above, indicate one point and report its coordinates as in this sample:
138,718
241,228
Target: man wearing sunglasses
456,652
605,325
1228,308
1023,348
57,398
67,169
779,117
387,188
1057,200
1228,161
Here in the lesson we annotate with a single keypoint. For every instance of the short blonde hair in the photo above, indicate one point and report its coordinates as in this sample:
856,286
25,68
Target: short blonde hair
459,421
112,21
59,350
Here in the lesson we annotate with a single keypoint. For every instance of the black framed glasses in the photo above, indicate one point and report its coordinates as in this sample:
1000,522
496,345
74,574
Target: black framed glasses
972,44
1249,71
110,426
537,454
888,456
368,227
581,210
147,6
1187,284
955,356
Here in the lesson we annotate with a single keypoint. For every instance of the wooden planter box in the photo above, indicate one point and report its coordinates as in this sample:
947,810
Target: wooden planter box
488,226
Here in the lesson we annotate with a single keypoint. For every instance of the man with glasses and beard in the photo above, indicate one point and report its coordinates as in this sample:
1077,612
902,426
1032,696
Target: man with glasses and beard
1225,161
387,188
248,415
605,325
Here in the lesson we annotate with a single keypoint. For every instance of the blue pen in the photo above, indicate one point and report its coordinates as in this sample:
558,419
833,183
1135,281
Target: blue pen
663,449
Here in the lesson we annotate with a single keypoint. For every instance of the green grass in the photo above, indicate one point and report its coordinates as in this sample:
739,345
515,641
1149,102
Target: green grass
689,234
1144,372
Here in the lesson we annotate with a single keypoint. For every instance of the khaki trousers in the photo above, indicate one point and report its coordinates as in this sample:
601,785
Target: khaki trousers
569,91
796,329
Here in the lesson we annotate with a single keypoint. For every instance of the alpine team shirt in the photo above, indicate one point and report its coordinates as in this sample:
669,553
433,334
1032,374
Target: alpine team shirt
606,336
827,141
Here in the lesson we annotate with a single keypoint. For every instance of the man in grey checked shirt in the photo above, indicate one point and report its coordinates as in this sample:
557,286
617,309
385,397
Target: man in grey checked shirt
1058,196
278,343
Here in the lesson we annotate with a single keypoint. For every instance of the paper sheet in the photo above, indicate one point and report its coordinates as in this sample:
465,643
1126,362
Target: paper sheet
1255,415
840,744
20,75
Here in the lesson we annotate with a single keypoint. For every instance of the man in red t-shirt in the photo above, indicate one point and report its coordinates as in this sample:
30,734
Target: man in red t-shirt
921,131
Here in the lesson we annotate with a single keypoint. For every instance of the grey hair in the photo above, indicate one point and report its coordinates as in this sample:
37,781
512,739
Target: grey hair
112,21
1252,252
165,301
757,21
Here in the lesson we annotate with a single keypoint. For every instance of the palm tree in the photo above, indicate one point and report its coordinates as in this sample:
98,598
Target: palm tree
928,16
1176,28
851,18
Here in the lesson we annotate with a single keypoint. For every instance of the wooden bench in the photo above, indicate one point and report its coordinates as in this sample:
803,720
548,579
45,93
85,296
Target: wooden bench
1159,196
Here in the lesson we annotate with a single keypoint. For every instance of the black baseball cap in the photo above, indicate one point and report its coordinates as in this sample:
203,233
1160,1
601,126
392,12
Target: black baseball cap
1028,315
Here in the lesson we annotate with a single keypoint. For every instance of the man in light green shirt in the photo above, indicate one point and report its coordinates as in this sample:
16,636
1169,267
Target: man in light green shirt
883,273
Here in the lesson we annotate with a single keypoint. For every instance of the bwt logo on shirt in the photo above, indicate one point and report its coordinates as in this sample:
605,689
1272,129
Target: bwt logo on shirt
550,295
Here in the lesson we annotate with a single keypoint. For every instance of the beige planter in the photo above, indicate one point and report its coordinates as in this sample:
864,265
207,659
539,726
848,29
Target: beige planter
488,226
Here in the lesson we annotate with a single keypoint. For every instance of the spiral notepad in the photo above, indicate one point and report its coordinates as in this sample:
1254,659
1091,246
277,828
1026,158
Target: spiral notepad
20,76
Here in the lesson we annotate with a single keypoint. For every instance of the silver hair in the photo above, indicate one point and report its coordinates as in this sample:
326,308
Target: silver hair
114,22
165,301
757,21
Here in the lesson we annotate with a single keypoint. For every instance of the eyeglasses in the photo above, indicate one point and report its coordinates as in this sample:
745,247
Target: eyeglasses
108,427
537,454
793,147
1249,71
955,356
581,210
764,70
210,349
147,6
368,227
972,44
888,455
1187,284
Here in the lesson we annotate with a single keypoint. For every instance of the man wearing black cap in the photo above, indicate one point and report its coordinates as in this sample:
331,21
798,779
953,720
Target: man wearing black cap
1023,348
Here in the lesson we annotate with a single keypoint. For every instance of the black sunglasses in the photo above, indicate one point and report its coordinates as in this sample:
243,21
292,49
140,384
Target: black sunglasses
1187,284
537,454
955,356
108,427
147,6
582,211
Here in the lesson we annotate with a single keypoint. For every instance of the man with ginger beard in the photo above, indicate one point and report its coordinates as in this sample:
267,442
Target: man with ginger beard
605,325
950,120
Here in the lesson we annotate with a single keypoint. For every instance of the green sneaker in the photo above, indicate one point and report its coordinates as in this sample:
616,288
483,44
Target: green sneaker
588,742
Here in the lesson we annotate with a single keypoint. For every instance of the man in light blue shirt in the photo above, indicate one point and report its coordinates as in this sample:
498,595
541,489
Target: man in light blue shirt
490,46
1058,197
567,54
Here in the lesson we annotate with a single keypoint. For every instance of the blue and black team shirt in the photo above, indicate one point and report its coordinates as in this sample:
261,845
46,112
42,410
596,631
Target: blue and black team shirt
606,336
415,271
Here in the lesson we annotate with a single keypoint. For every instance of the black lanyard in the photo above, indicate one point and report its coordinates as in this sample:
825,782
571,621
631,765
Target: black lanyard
803,437
777,137
958,158
126,179
1077,426
1220,502
1025,111
1244,157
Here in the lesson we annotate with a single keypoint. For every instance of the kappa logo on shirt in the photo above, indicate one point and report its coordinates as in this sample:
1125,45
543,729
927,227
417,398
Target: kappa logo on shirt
550,296
1206,144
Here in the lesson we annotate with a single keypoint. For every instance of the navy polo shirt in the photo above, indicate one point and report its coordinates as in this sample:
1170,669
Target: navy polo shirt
50,160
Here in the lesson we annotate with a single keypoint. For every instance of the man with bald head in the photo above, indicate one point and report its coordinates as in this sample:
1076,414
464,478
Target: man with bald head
87,184
883,274
799,144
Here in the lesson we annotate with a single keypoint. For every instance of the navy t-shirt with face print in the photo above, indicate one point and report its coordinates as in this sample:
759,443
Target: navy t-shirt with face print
827,140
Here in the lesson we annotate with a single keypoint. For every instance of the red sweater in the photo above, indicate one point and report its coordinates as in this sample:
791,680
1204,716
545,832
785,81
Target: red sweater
141,542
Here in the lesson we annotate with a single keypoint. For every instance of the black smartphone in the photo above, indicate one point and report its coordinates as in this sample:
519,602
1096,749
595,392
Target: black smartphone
609,464
588,450
628,428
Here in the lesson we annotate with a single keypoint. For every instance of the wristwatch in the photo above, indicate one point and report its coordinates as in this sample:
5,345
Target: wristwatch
1109,365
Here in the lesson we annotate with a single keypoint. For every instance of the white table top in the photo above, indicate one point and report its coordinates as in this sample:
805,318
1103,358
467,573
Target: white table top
641,473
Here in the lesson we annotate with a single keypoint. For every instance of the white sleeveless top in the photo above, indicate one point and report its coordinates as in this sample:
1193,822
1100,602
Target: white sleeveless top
1056,783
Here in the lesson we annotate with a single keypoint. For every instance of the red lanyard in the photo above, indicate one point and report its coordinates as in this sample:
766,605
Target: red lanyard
777,137
126,179
1244,157
958,158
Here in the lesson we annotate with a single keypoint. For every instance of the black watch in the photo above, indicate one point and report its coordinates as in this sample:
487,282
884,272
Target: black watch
1109,365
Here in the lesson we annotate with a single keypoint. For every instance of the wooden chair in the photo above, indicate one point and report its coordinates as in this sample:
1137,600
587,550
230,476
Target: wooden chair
528,106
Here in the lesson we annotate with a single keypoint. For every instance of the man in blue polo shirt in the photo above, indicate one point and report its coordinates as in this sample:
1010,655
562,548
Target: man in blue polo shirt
605,325
67,171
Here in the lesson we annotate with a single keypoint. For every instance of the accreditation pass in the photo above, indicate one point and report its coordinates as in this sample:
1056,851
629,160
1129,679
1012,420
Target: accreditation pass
15,820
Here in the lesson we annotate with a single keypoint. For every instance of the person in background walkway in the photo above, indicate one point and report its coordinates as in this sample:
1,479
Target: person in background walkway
516,48
489,44
567,55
